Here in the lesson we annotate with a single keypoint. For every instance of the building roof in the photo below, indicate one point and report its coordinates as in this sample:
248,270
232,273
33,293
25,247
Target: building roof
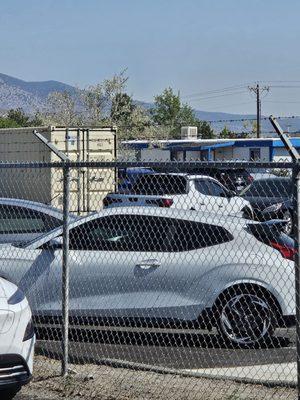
207,144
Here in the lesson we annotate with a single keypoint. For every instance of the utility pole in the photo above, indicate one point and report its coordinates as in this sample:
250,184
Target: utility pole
257,90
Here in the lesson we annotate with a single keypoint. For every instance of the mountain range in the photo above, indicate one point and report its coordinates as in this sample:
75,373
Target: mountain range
32,96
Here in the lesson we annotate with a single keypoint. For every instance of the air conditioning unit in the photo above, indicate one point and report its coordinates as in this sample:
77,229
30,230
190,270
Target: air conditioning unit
189,132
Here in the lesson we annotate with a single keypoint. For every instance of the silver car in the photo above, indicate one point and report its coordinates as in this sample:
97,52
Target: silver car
25,220
160,265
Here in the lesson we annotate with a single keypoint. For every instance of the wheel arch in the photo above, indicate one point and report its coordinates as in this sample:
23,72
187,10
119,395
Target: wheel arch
255,287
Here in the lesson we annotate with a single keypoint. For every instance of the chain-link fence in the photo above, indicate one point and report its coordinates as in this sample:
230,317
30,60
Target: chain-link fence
158,279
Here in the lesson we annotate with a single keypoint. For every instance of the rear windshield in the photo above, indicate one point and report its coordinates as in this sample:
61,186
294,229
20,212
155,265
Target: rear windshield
156,184
267,233
268,188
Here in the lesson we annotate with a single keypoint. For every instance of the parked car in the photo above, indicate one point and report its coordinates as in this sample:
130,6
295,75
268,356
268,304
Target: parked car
234,179
270,199
195,192
16,340
24,220
155,264
128,176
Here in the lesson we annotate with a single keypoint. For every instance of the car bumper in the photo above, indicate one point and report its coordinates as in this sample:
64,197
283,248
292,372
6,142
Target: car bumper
17,365
14,371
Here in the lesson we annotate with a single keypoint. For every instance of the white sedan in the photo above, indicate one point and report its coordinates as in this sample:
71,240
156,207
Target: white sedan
16,340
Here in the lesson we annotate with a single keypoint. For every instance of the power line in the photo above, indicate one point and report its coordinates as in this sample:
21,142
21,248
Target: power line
229,88
283,101
232,105
251,119
218,95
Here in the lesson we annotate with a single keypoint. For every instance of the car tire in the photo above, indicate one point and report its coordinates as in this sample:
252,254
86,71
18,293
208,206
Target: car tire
287,216
246,318
9,393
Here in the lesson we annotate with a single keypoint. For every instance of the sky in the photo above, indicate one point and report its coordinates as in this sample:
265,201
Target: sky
194,46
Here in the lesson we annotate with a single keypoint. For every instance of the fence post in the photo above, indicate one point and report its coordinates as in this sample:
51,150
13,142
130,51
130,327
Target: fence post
65,271
296,225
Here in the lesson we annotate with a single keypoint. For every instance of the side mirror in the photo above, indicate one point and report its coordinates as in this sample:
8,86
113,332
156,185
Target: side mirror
53,244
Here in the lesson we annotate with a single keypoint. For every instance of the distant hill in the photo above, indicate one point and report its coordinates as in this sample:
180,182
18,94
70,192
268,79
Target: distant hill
31,96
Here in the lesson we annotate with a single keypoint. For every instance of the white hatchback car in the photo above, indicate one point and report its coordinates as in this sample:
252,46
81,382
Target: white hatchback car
16,340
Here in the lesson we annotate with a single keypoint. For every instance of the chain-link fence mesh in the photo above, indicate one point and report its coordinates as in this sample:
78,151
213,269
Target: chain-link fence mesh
178,272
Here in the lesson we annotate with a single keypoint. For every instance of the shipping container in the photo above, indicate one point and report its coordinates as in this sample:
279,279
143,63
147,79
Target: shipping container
88,186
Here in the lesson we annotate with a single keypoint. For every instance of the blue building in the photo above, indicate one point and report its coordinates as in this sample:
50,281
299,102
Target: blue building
263,149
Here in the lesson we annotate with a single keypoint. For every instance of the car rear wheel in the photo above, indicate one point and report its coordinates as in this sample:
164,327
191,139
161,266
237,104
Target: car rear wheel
245,319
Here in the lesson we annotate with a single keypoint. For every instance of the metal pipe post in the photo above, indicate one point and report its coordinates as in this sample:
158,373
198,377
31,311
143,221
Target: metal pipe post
296,221
65,271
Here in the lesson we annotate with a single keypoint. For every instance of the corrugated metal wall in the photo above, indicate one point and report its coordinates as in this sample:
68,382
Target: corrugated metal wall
88,187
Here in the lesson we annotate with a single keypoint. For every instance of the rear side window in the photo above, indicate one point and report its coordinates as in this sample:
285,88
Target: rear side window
156,184
195,235
269,188
15,219
146,233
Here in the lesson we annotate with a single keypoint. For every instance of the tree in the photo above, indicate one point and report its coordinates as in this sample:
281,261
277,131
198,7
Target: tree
122,108
167,108
61,110
227,133
170,113
8,123
97,99
17,118
205,131
18,115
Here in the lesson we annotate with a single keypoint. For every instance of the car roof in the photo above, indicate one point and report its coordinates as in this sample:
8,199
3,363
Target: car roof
183,174
233,222
35,206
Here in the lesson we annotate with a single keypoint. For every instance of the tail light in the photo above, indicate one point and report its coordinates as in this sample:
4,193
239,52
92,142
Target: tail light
285,251
29,332
250,178
165,203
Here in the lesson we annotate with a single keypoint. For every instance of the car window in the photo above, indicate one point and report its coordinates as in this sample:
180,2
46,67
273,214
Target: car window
269,188
202,187
209,188
155,184
145,233
15,219
215,189
192,235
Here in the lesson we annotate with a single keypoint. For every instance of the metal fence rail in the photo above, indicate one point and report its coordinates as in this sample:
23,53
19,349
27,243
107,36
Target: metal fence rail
180,268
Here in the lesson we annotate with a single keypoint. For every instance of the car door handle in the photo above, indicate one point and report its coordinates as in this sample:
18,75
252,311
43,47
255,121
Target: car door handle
147,264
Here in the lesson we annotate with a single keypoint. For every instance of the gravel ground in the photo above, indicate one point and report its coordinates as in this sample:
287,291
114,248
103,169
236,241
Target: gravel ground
108,383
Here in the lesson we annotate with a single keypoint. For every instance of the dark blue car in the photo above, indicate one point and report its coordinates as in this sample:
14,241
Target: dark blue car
128,176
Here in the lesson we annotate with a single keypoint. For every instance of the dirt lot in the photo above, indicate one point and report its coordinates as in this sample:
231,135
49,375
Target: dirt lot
108,383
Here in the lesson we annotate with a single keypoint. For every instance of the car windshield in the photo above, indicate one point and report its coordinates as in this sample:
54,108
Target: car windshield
155,184
268,188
